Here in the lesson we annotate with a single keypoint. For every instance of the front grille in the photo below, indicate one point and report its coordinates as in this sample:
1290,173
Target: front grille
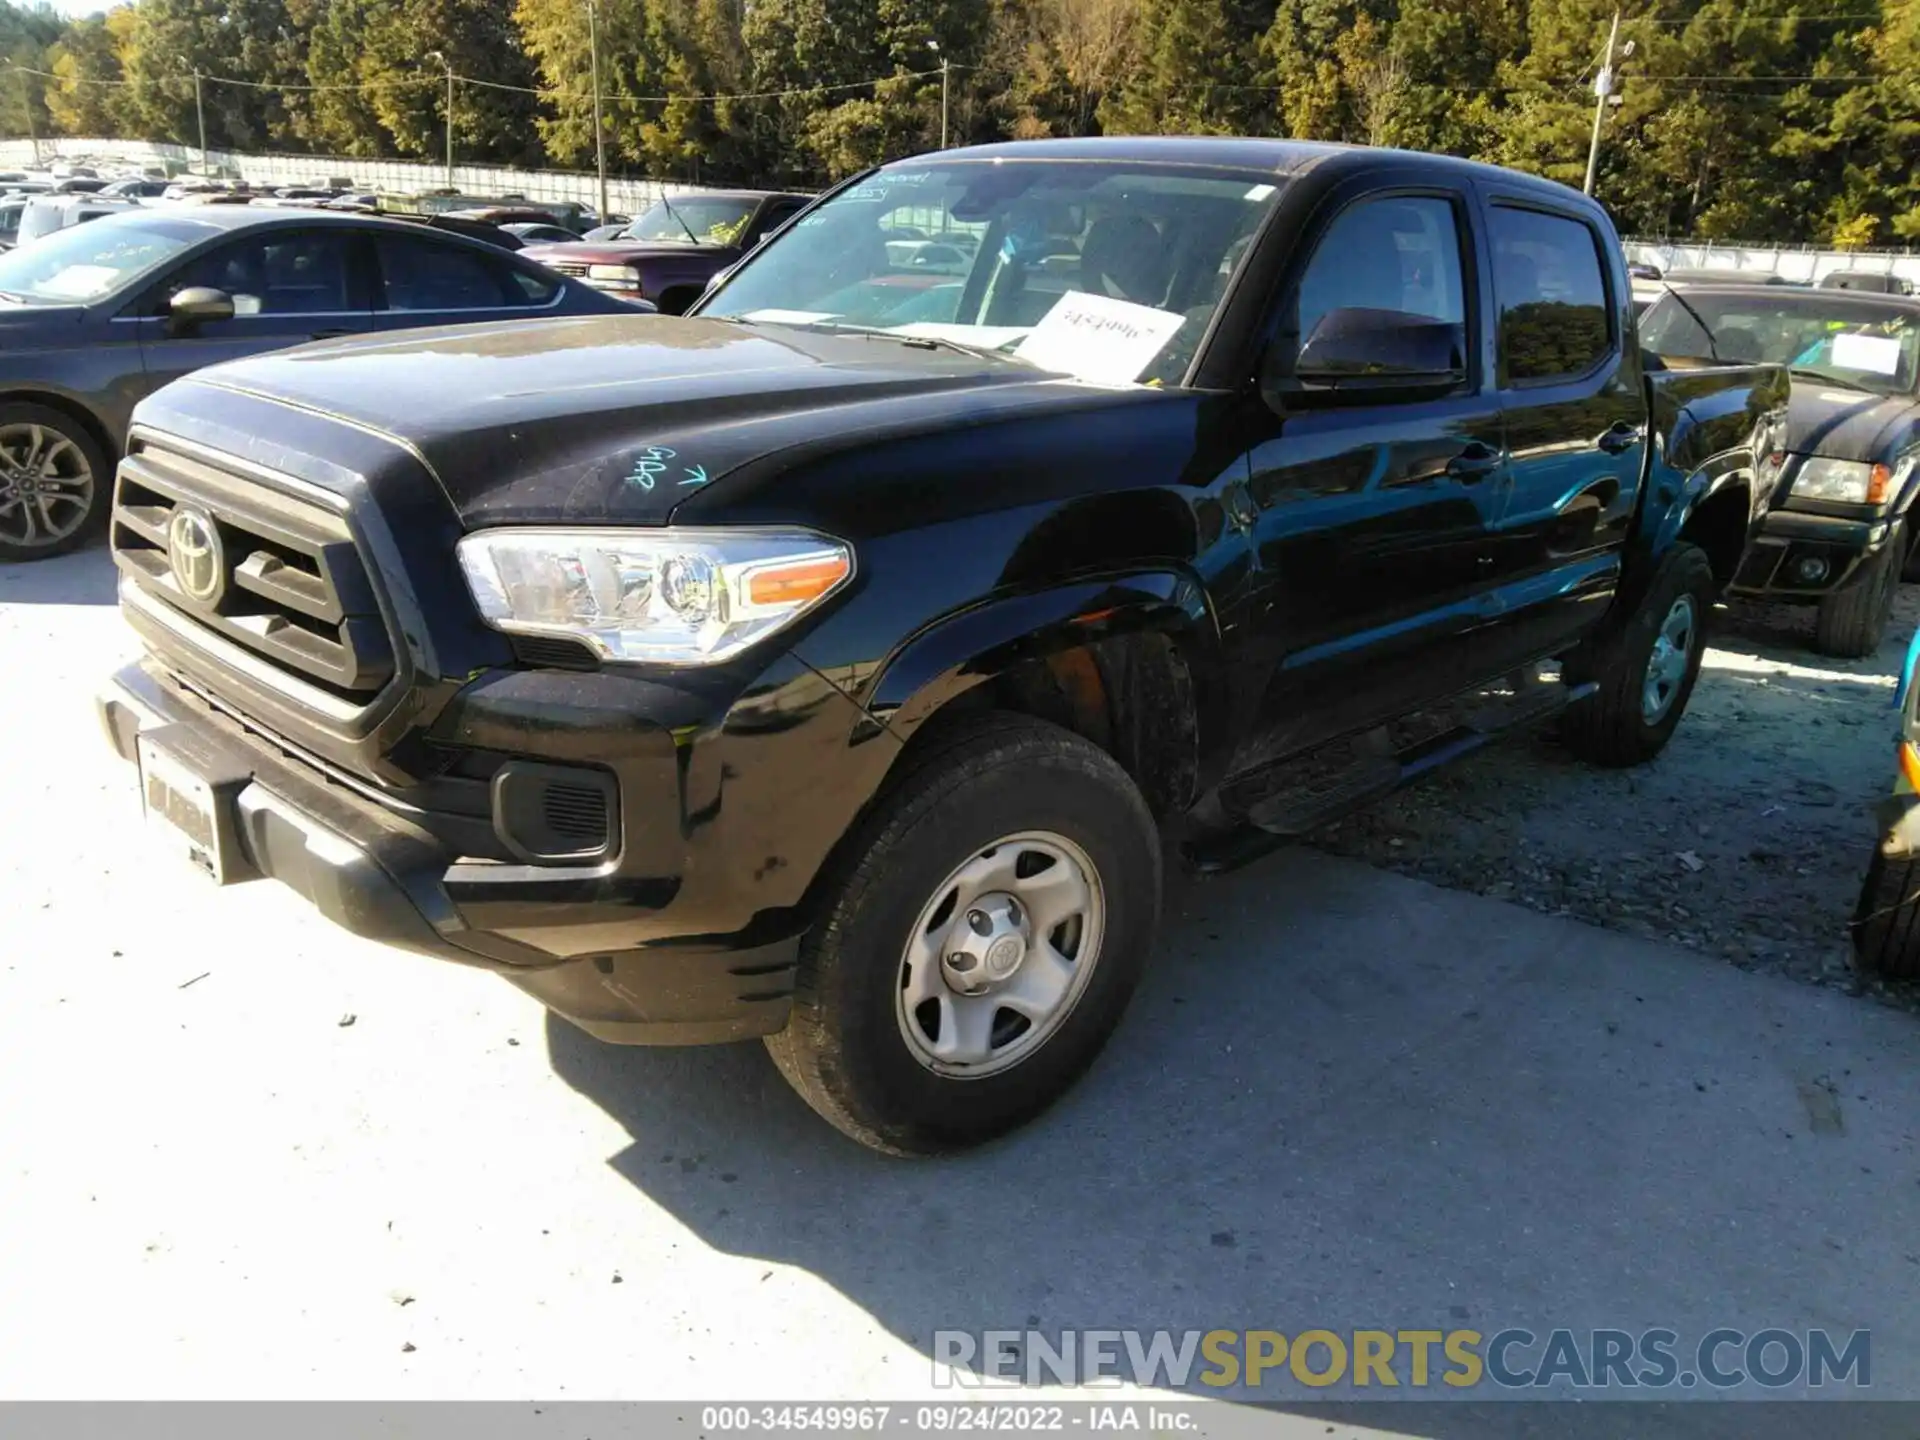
575,268
550,652
578,813
281,577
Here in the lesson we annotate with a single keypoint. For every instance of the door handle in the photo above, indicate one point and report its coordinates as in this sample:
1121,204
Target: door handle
1475,463
1618,438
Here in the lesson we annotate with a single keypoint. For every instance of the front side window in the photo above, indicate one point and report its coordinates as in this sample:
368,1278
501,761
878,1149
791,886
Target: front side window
1397,253
280,272
1104,271
1552,295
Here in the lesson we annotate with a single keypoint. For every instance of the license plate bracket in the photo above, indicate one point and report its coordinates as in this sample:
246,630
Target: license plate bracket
190,788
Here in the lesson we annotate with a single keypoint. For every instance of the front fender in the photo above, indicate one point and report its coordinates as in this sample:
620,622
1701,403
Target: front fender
951,656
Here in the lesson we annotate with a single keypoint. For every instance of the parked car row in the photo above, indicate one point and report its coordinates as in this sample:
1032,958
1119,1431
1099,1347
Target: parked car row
95,317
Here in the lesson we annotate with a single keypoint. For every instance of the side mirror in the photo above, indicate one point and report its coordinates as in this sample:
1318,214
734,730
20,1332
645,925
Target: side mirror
198,304
1358,354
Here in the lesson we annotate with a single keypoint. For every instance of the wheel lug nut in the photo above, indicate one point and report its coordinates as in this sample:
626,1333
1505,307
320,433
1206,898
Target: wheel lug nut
963,962
979,923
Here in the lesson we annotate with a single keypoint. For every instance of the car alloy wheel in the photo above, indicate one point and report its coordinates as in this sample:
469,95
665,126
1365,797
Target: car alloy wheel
46,485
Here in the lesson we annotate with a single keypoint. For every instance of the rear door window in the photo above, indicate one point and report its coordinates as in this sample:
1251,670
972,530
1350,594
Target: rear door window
419,274
1552,292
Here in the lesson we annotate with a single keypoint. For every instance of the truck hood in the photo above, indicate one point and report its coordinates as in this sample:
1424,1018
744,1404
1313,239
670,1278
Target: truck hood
617,252
619,419
1844,424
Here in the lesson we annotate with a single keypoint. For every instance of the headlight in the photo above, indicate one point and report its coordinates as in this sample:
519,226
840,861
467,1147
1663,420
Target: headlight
1854,481
623,274
670,597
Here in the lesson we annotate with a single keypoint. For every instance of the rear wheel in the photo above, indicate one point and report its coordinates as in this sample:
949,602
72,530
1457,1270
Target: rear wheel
1646,669
990,926
1886,923
55,482
1852,622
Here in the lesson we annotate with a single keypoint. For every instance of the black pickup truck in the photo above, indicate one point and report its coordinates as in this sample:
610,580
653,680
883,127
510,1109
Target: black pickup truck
830,665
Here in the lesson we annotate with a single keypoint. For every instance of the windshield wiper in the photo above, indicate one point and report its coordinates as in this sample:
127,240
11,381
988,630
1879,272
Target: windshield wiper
1713,352
675,215
918,342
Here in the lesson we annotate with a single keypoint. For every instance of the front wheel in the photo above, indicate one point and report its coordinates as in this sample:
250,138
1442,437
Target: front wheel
991,923
1646,669
55,483
1852,622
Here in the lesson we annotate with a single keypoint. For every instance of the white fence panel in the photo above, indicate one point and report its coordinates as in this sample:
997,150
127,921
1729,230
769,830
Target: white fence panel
1804,266
404,176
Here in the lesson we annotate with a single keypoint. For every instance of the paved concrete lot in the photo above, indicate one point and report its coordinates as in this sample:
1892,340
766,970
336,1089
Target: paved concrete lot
1345,1098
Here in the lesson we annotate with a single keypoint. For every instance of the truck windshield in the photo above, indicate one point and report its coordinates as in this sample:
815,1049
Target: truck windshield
1835,335
1108,272
695,220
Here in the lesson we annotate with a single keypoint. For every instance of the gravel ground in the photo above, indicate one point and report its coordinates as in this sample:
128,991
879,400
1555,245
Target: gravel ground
1746,839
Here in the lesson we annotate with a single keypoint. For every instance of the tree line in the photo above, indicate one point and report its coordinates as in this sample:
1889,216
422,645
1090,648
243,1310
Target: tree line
1781,120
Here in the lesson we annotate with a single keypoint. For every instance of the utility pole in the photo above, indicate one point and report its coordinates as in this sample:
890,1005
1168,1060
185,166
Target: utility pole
26,100
1602,88
441,57
200,111
599,131
946,67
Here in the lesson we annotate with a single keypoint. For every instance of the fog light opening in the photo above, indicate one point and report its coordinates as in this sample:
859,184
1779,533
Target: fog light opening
1810,569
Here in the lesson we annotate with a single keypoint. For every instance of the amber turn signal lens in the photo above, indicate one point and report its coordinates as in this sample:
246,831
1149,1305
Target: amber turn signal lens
799,582
1877,482
1910,764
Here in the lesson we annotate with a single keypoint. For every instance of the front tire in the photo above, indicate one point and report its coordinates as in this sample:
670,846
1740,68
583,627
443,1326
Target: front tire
991,922
1886,923
1852,622
56,483
1646,669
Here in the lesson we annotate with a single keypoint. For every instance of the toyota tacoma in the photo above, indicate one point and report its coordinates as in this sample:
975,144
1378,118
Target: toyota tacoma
831,665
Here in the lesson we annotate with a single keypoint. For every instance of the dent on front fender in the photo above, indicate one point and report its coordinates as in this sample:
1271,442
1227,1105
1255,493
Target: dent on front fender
943,661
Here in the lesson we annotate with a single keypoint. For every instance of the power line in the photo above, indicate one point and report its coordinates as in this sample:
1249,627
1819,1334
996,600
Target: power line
546,92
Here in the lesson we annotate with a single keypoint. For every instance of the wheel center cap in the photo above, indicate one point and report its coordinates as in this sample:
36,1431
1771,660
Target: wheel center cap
1004,956
985,946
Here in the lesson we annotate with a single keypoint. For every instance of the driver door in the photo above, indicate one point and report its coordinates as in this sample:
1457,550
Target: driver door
1372,514
288,286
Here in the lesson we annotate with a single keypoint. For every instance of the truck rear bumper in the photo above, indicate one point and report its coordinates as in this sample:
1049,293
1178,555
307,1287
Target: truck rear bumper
370,871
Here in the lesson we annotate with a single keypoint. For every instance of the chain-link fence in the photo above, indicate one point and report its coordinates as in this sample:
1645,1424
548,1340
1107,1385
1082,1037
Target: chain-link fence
626,195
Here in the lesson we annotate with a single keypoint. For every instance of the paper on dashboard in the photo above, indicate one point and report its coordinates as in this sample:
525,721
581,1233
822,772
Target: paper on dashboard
1099,338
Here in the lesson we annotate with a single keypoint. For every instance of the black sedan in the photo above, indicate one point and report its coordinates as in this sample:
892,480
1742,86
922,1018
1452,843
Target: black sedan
1842,523
95,317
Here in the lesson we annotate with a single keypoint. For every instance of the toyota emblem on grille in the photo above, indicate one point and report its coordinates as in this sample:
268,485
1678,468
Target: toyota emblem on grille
194,552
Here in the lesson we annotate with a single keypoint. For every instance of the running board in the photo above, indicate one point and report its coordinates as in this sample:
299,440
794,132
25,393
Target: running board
1301,796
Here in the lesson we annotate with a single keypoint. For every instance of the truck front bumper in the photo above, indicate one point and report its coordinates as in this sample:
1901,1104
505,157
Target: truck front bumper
1803,556
376,873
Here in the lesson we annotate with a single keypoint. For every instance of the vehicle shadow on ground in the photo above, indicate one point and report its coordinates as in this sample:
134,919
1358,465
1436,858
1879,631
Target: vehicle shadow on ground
1341,1099
84,577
